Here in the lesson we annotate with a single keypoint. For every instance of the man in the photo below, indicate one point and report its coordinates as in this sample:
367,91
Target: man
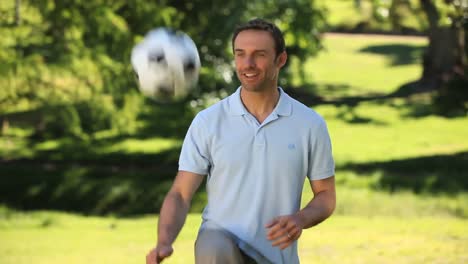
256,146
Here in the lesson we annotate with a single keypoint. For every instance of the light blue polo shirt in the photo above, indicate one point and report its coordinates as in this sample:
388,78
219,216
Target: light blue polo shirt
256,171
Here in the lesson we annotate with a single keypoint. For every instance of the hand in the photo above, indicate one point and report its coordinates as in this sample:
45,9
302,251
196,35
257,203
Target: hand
284,230
158,254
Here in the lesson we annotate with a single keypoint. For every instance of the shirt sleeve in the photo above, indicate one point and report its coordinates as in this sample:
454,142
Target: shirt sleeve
321,163
194,156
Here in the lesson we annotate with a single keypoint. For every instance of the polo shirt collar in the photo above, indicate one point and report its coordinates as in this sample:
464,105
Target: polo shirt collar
235,104
283,108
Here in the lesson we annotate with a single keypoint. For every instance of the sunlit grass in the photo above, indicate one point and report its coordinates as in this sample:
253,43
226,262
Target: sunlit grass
358,65
152,145
356,197
346,239
48,237
379,132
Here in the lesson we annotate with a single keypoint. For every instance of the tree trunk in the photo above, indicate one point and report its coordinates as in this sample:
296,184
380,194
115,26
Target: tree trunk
439,59
17,12
461,46
445,55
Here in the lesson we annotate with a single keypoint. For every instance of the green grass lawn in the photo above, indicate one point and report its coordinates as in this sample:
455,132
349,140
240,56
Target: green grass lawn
47,237
388,134
359,65
401,176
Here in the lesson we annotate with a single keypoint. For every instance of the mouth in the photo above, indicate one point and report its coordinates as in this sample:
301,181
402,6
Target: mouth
250,76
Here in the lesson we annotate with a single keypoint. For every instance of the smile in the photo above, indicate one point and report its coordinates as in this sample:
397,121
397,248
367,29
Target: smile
250,75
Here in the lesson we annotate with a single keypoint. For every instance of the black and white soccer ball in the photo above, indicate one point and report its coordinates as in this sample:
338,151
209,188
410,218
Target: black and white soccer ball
166,64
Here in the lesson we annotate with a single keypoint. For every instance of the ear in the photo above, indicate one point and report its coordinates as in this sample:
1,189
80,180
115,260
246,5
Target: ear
281,59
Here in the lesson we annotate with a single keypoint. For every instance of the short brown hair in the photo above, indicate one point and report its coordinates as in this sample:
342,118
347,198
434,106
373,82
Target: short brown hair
261,24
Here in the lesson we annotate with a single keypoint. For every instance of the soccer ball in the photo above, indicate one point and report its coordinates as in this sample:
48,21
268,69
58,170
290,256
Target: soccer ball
166,64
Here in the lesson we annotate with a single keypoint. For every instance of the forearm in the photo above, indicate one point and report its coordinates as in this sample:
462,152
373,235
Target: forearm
318,209
172,217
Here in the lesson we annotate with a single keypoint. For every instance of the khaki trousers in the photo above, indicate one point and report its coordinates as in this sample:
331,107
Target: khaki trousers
216,246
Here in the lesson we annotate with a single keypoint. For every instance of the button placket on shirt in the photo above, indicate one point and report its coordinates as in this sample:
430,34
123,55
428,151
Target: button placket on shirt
260,139
258,135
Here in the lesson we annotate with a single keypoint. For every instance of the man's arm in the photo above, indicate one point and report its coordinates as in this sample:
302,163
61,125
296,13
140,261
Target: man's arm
284,230
322,204
173,214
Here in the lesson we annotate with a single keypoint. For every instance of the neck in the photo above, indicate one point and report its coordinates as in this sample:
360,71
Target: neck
260,103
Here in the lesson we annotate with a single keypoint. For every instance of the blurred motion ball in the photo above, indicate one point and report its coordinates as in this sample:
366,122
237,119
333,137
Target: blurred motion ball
166,64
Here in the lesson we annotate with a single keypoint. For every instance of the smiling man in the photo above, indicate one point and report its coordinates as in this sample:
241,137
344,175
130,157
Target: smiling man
256,147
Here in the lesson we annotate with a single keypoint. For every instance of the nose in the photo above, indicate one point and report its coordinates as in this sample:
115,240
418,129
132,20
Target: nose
249,62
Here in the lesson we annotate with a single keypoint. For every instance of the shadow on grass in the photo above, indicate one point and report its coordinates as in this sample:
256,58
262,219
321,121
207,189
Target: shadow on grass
91,187
429,174
306,97
400,54
166,119
418,101
136,188
76,176
349,103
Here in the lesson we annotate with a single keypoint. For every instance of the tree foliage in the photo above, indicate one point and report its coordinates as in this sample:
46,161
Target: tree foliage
65,52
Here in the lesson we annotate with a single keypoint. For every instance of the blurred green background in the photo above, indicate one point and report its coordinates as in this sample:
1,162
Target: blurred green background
85,159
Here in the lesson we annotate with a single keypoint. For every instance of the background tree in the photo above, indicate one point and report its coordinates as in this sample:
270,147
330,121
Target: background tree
76,52
445,65
445,58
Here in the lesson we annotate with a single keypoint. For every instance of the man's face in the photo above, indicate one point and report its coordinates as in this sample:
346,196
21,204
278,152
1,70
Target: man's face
256,64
